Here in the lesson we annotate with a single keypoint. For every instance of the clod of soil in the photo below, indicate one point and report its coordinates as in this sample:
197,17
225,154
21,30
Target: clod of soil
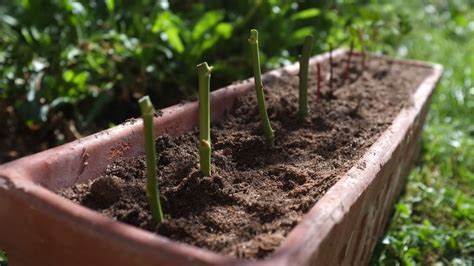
257,193
105,191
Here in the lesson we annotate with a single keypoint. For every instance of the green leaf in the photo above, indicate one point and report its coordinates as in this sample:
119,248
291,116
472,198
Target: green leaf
208,43
68,75
370,14
224,29
9,20
94,64
305,14
110,5
209,20
25,4
25,33
81,79
298,36
174,40
165,20
170,24
403,210
461,20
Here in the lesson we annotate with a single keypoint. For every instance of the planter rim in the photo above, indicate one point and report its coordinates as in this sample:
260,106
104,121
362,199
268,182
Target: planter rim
19,178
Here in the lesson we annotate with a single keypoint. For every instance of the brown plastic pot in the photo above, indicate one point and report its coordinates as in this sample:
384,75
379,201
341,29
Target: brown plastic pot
38,227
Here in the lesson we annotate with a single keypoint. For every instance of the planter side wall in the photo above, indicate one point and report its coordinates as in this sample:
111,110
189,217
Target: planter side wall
358,232
353,239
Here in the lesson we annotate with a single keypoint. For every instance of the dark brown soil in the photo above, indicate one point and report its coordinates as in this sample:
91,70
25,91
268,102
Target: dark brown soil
18,140
256,193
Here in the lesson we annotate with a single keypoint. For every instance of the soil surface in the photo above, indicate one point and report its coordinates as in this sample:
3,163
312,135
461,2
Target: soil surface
257,193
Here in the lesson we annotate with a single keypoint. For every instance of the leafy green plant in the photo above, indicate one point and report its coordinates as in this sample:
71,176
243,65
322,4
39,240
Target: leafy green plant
64,65
303,75
152,192
267,128
204,75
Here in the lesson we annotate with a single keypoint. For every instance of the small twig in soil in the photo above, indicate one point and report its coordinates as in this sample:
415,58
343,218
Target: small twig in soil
152,193
303,76
330,67
267,128
204,75
318,92
348,63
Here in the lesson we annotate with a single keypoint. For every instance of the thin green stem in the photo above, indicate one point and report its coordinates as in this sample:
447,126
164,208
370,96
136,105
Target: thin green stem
303,75
204,76
267,127
152,193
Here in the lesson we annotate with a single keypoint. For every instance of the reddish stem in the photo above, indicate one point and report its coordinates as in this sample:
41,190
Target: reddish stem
330,66
348,63
318,95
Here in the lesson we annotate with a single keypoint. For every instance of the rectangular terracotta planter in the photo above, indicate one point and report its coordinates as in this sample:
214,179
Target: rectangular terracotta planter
38,227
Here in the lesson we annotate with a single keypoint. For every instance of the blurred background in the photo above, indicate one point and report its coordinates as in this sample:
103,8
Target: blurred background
71,68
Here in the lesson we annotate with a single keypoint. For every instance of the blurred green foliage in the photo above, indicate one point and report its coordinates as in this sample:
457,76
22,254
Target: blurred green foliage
89,58
3,258
433,222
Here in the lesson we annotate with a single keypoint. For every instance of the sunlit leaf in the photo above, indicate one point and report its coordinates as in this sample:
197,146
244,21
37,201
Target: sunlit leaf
68,75
299,35
81,79
224,29
26,35
165,20
370,14
9,20
25,3
174,39
209,20
208,43
168,23
110,5
307,13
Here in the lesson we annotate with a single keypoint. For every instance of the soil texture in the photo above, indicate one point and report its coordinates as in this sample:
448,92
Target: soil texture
256,193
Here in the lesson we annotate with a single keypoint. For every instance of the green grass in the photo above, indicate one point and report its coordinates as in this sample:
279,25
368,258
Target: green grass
434,218
3,258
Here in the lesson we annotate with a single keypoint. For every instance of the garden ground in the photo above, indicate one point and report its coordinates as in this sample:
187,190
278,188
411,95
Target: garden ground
434,218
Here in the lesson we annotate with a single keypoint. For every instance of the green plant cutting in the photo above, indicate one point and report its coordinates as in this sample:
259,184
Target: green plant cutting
303,76
152,192
267,127
204,76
